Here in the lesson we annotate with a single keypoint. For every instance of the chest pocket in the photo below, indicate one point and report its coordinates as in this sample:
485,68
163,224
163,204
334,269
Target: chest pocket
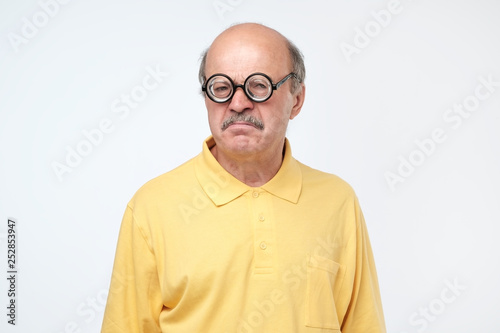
324,280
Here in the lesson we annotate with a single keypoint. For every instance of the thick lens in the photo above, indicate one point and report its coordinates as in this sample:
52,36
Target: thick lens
220,87
258,87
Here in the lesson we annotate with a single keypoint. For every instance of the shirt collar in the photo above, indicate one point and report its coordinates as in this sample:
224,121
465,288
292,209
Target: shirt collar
221,187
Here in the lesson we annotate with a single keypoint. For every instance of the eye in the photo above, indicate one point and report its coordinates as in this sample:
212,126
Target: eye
259,85
220,88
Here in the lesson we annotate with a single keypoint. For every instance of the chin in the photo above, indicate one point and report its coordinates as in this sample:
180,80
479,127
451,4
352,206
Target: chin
242,145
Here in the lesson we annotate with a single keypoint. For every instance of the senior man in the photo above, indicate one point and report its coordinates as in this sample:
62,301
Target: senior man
243,237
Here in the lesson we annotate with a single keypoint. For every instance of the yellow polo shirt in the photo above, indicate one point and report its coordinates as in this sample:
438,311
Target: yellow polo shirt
200,251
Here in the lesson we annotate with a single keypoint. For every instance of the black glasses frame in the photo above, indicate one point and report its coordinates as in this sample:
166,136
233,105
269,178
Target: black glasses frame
243,86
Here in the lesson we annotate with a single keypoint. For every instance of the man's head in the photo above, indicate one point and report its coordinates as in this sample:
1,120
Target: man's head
241,126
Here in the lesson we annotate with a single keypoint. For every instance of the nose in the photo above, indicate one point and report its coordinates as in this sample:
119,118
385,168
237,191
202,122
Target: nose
240,102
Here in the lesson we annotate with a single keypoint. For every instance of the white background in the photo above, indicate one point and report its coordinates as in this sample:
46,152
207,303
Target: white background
363,113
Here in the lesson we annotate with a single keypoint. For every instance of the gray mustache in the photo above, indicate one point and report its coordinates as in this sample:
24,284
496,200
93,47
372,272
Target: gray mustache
242,117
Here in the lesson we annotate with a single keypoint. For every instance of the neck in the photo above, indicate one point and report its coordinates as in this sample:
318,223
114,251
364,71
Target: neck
252,169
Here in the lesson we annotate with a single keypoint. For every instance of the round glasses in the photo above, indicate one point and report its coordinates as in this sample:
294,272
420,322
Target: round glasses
258,87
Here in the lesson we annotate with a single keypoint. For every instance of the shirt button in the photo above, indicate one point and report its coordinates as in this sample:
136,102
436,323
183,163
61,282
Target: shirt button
261,218
255,194
263,245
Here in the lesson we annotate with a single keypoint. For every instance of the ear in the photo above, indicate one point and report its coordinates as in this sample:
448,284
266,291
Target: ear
299,101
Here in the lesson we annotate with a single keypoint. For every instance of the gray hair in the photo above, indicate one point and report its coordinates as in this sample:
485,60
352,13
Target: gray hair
296,57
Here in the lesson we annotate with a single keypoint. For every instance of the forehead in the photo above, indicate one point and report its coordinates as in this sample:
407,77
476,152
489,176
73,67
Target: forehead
242,52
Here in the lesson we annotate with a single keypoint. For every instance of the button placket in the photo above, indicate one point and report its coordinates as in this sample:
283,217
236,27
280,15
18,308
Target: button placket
263,233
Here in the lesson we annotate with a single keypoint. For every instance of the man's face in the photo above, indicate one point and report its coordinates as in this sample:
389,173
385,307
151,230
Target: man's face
259,127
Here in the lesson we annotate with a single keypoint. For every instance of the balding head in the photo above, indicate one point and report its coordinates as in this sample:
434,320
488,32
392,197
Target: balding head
245,39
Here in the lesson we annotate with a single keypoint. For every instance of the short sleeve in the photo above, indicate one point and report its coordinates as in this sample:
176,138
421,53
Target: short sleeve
134,301
364,312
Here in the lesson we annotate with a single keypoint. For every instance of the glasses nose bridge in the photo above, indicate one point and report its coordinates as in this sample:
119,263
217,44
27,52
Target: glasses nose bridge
242,86
236,86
